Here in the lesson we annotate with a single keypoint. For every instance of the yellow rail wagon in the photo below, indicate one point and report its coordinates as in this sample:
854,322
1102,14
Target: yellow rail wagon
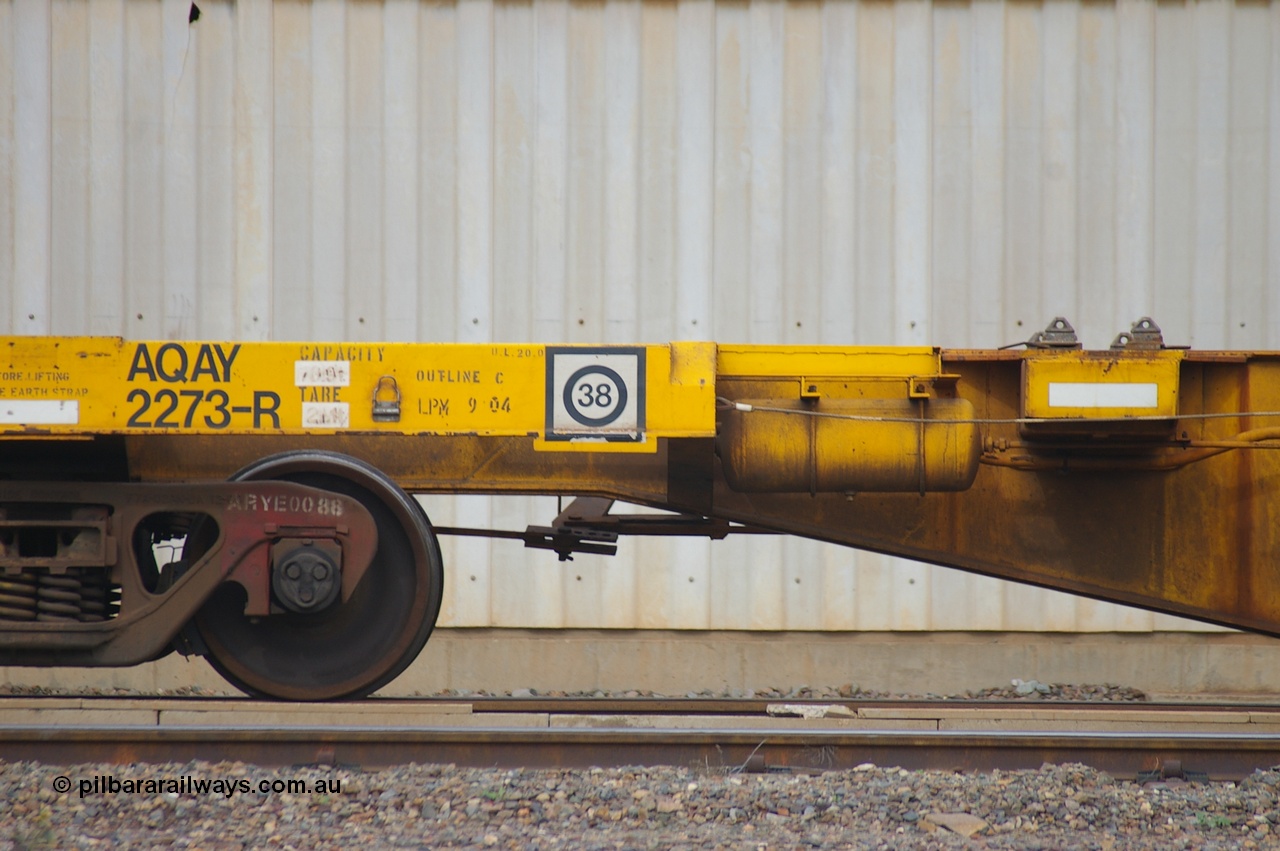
251,502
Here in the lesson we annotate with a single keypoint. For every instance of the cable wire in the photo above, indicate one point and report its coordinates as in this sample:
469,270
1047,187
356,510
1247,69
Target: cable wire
870,418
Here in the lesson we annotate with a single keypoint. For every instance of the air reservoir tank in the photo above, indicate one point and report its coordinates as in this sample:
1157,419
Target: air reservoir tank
833,445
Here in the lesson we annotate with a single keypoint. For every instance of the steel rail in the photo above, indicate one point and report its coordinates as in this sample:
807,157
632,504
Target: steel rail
759,705
481,738
693,706
1219,756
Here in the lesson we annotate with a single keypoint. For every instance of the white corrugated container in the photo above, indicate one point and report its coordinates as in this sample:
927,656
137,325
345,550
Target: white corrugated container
805,172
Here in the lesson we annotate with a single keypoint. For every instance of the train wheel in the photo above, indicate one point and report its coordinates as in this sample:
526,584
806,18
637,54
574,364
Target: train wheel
350,648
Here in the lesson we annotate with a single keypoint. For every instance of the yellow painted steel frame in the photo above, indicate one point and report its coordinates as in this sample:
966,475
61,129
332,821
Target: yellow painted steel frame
620,398
1146,477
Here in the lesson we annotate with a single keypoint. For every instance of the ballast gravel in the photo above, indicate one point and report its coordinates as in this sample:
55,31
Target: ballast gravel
222,806
440,806
1018,689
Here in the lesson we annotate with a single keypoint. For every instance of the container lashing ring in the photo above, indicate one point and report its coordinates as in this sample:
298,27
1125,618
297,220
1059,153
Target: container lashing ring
386,400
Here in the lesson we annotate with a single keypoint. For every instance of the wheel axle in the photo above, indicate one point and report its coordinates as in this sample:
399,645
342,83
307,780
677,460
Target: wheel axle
314,645
306,575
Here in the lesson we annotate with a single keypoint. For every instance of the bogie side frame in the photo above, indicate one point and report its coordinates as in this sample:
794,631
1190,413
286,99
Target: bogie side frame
275,477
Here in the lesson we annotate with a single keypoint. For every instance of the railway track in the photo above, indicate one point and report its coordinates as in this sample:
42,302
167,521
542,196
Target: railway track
1170,740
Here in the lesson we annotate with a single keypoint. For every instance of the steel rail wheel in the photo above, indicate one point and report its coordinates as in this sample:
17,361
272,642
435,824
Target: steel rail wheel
350,648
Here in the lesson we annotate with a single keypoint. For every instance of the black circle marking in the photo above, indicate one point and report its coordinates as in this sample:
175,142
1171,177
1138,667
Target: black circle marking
576,413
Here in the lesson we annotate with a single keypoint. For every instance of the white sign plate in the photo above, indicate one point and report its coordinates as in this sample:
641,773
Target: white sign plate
39,412
1097,394
326,415
322,373
595,393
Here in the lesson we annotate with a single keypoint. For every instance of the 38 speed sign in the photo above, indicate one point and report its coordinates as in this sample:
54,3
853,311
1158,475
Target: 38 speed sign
595,392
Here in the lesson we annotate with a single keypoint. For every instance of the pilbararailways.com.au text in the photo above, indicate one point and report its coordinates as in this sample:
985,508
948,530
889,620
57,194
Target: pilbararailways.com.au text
110,784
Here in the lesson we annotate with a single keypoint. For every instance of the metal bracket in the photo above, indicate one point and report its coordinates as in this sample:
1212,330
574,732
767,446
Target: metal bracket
1143,334
1058,334
1171,769
386,400
566,542
586,526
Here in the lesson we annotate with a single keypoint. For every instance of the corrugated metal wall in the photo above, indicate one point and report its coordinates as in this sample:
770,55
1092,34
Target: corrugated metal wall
836,172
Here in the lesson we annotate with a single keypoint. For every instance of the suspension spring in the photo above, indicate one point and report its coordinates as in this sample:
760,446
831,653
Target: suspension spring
99,599
18,596
80,594
58,597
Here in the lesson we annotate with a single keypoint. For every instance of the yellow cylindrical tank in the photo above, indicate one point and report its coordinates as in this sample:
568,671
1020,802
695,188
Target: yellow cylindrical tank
797,446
